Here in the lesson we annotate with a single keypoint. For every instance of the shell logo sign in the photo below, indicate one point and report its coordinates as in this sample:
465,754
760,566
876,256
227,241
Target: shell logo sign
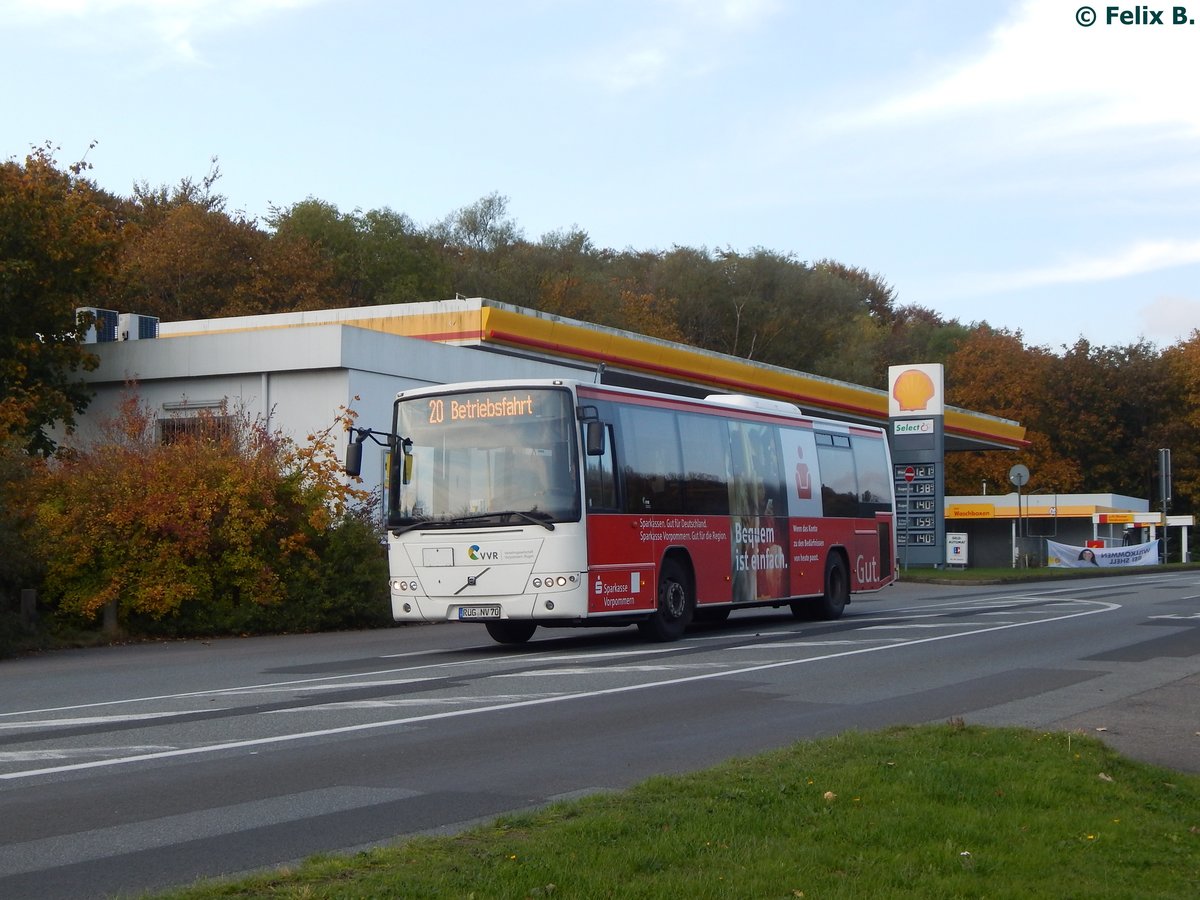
915,390
912,390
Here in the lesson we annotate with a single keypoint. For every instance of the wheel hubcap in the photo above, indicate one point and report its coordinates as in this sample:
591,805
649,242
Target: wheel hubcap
675,600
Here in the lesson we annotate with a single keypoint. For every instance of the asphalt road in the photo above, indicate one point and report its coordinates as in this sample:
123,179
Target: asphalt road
136,768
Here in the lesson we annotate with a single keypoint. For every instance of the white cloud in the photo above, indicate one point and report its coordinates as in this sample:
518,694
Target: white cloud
173,24
1170,318
687,37
746,13
1136,259
641,62
1042,62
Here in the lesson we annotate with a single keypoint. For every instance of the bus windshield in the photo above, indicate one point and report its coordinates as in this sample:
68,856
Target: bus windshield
489,457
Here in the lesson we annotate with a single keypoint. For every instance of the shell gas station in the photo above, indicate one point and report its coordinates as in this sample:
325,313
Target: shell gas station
295,370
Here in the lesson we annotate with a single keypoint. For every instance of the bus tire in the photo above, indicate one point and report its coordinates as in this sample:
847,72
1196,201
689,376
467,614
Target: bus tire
837,588
837,593
511,631
676,605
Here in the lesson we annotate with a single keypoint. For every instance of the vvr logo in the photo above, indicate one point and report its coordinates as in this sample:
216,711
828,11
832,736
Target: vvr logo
473,552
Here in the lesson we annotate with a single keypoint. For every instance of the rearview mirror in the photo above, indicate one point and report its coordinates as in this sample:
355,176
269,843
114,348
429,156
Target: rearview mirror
594,437
354,458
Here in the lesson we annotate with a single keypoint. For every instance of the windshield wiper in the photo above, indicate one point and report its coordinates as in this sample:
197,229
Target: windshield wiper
456,521
541,518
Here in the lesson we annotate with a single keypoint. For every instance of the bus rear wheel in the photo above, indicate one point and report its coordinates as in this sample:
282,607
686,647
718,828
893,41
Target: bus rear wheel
837,589
511,631
676,605
837,593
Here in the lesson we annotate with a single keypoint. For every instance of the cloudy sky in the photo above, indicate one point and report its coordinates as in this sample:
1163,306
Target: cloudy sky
993,161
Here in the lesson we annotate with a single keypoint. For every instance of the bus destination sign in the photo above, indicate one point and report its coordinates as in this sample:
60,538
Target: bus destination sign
454,409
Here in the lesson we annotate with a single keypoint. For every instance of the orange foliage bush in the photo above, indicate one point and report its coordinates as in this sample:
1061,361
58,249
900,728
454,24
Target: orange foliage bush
222,520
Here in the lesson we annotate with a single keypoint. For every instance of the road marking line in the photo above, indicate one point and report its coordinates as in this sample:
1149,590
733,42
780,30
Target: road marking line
92,720
1097,607
604,670
902,625
68,752
407,701
305,683
49,853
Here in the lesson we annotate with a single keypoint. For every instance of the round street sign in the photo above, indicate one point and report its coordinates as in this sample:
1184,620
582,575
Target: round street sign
1018,475
910,473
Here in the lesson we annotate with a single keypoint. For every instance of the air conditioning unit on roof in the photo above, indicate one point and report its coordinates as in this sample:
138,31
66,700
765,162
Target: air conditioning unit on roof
761,404
134,327
103,327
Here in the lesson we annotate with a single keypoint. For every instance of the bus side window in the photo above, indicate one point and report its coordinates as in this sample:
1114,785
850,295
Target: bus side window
874,483
839,483
599,478
653,470
756,488
705,443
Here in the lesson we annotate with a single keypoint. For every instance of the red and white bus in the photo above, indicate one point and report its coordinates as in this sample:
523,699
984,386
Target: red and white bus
563,503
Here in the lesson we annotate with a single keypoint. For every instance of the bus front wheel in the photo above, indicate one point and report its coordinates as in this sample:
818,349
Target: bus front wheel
511,631
676,605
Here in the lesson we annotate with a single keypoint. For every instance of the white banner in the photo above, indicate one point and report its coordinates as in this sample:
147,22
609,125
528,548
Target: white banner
1064,556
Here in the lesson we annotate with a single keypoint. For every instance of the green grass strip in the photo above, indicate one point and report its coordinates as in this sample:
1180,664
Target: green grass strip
945,811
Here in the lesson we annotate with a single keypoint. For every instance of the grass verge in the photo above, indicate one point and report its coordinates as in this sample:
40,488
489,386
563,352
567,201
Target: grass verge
1045,573
943,811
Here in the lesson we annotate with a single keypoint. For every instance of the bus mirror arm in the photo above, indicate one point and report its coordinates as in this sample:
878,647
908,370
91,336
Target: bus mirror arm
354,449
593,429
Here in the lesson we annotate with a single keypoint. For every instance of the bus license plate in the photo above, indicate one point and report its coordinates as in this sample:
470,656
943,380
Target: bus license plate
478,612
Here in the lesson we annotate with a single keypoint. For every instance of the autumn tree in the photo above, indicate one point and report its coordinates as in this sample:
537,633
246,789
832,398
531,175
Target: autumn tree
649,315
1103,408
764,293
58,241
876,297
699,287
376,257
775,309
19,568
726,301
483,226
993,372
185,257
853,308
917,334
478,242
285,275
573,277
1181,428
